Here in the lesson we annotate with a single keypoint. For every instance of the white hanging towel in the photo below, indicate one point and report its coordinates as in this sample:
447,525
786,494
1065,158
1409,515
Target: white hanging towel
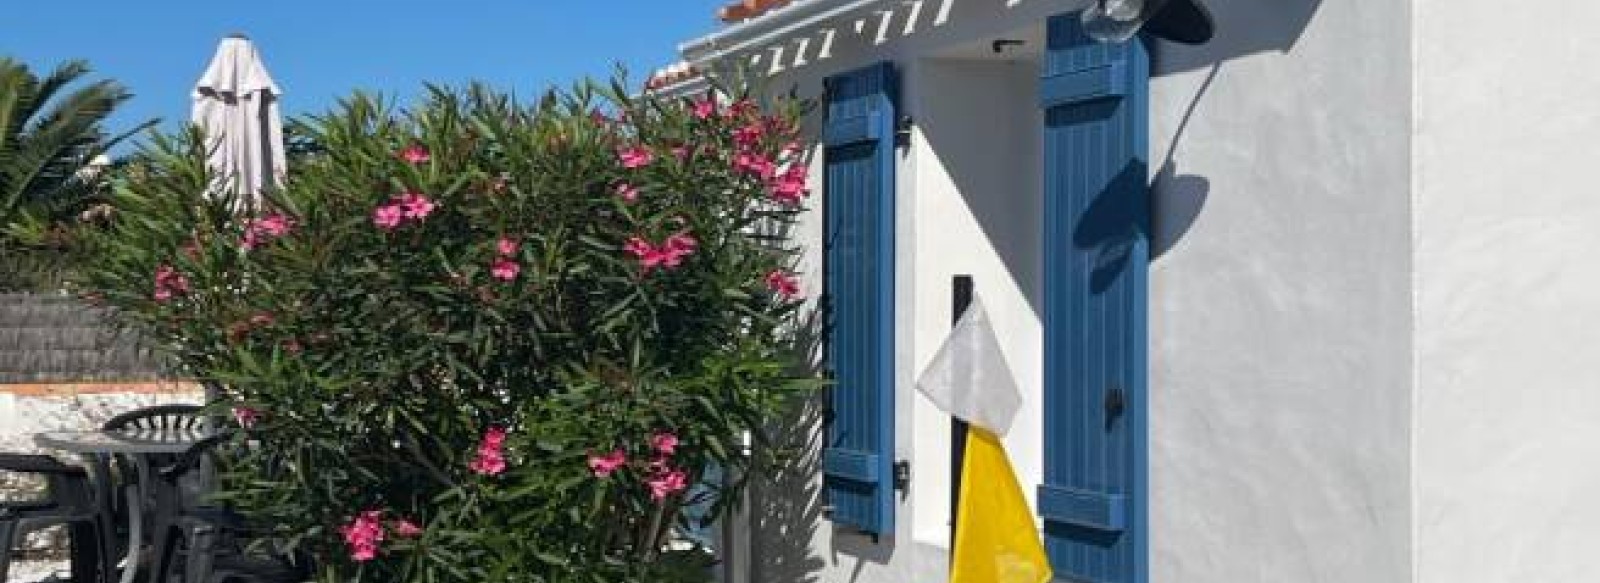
969,377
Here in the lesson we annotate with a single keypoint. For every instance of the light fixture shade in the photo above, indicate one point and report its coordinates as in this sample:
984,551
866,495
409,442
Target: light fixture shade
1180,21
1115,21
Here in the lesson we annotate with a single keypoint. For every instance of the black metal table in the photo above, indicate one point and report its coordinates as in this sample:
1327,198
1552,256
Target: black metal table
139,446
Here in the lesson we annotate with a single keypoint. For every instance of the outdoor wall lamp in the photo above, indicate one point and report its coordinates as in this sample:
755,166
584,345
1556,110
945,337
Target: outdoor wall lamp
1180,21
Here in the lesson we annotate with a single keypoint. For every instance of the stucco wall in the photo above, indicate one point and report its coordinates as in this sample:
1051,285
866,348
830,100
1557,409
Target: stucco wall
1508,292
1280,368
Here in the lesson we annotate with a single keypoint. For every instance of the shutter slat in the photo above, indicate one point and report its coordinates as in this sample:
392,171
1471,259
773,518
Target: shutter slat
1093,500
858,201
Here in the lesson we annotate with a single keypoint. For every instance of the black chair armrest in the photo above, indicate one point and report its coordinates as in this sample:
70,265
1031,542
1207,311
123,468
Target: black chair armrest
190,459
38,464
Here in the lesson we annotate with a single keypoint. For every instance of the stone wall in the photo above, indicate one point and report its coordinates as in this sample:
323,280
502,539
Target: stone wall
56,338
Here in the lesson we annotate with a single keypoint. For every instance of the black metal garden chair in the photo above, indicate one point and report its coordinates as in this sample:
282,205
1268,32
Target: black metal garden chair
69,500
207,542
156,506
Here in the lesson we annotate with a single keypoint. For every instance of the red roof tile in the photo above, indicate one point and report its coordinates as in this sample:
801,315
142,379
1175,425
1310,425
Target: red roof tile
679,72
748,9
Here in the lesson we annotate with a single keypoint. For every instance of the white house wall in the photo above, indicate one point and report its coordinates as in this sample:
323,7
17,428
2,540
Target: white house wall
1281,299
1508,350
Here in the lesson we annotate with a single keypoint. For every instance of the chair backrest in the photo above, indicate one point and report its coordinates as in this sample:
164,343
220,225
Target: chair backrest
175,416
157,417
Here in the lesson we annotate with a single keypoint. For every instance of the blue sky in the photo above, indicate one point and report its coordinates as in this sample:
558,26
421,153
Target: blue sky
318,50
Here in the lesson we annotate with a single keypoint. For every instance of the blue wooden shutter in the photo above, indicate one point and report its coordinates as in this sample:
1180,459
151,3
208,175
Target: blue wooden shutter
1095,101
858,201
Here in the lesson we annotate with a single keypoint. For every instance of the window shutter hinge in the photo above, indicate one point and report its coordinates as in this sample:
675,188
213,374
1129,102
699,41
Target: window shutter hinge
902,476
902,131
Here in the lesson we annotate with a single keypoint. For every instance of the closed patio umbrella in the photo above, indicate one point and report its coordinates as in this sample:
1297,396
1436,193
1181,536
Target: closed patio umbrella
236,105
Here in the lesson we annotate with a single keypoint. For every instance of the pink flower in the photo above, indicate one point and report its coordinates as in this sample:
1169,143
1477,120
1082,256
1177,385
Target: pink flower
388,216
667,484
635,157
790,188
505,269
246,416
749,135
169,283
275,225
506,246
415,205
604,465
664,443
647,254
784,283
488,463
705,107
168,277
755,165
362,535
639,248
628,192
495,436
406,528
669,254
261,230
676,247
490,460
415,154
739,108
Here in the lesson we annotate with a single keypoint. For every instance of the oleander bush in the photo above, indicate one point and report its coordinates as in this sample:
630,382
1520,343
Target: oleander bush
478,340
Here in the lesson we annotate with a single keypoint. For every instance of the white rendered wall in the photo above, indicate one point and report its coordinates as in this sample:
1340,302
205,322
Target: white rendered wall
1280,369
1508,292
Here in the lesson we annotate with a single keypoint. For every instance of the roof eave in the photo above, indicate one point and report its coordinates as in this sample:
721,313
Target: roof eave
756,31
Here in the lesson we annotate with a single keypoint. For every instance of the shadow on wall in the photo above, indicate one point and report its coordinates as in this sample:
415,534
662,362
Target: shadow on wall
981,121
1176,200
786,501
1244,28
785,497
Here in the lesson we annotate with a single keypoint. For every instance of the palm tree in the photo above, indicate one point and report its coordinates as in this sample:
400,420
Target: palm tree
49,132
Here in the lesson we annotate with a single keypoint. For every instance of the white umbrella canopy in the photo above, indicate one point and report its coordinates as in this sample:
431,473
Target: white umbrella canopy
236,105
